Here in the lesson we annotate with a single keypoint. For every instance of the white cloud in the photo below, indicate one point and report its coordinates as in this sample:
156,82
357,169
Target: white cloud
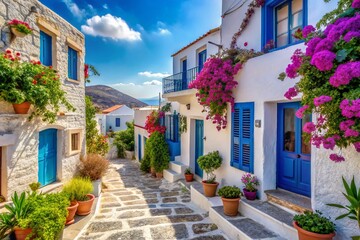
124,84
105,6
74,9
153,75
109,26
153,82
164,31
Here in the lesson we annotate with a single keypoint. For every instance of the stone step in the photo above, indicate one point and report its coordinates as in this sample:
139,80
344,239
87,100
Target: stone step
240,227
177,167
172,176
271,216
292,201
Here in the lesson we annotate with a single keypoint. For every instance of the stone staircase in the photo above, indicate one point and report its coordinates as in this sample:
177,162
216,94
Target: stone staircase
176,170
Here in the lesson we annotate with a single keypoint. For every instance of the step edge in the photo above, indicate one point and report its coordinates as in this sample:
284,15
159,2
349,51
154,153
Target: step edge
282,200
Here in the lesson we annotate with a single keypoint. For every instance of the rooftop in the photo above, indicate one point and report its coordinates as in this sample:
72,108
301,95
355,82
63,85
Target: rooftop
113,108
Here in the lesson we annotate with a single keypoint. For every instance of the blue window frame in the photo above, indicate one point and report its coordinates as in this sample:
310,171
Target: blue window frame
72,64
281,19
117,122
45,49
201,59
242,146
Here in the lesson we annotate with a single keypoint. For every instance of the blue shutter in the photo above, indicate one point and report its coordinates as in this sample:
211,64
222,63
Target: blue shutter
202,59
45,49
117,122
72,63
243,137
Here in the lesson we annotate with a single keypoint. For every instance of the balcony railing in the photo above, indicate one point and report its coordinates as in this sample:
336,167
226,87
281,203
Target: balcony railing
179,81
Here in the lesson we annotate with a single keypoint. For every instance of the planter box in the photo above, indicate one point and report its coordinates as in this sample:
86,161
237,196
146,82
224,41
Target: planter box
129,154
97,187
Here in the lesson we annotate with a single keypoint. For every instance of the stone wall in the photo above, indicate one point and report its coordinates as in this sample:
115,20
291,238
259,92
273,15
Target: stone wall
20,159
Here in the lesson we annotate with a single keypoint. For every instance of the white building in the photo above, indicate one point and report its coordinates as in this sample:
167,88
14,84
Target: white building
114,118
309,178
36,151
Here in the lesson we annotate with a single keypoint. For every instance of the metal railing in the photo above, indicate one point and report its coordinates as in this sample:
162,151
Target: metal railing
179,81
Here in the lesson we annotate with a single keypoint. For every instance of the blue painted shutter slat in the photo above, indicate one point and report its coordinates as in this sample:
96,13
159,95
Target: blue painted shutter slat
236,138
45,49
72,63
69,63
117,122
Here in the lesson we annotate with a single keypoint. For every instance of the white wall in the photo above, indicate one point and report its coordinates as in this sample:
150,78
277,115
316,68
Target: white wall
124,110
111,121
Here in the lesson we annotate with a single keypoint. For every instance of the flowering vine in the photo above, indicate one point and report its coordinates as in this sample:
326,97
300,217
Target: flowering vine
153,122
329,71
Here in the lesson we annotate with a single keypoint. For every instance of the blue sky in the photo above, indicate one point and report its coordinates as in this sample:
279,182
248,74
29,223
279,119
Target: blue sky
130,42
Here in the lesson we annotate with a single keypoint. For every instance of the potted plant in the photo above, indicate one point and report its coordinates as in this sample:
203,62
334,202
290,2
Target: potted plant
158,153
19,28
189,176
69,192
209,163
250,182
26,83
353,209
313,226
230,196
93,166
80,189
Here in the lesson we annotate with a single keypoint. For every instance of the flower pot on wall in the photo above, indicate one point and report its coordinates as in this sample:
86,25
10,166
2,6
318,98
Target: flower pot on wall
210,188
84,207
231,206
21,233
306,235
71,213
189,177
97,187
249,195
17,33
22,108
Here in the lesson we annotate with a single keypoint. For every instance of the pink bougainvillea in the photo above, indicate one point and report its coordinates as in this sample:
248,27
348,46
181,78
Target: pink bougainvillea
153,122
329,72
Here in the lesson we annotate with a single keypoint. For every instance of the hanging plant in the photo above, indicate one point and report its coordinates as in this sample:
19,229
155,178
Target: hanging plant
19,28
183,124
153,122
90,70
329,73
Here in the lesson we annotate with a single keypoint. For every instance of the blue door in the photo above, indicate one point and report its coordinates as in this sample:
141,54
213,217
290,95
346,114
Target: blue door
139,147
47,156
199,145
184,75
202,59
294,153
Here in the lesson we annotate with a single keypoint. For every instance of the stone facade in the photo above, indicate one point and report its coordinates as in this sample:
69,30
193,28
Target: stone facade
19,138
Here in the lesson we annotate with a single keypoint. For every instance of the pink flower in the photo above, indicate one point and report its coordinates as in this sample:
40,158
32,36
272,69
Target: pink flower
311,45
308,30
321,100
296,58
291,93
351,133
245,44
300,113
350,35
309,127
350,109
329,143
345,125
357,146
321,120
323,60
355,4
345,73
317,140
336,158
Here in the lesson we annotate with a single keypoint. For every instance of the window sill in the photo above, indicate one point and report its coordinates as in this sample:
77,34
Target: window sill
283,47
73,81
72,153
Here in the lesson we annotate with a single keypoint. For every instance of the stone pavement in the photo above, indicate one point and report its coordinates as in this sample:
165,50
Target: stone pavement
136,206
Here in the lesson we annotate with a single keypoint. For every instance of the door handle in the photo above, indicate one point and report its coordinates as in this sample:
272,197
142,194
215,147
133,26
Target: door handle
204,138
298,156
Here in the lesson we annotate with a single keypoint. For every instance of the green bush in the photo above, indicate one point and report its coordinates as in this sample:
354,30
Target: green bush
158,151
126,138
77,189
145,162
229,192
315,222
209,163
120,146
35,186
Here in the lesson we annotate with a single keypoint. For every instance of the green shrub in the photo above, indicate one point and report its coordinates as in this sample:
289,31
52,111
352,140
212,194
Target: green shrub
229,192
158,152
77,189
145,162
315,222
126,138
34,186
209,163
120,146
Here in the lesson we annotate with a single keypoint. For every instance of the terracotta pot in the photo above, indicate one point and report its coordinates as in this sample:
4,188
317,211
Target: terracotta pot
231,206
249,195
71,213
189,177
84,207
153,172
159,175
210,188
306,235
21,233
17,33
21,108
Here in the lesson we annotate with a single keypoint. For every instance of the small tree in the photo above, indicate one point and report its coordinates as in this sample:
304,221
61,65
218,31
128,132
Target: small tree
209,163
158,152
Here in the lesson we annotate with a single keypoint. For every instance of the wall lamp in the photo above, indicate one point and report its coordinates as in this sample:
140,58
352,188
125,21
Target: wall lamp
218,45
33,9
188,106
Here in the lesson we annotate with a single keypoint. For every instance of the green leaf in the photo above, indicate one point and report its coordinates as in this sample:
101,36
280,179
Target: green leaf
341,55
352,200
353,188
335,205
346,185
342,216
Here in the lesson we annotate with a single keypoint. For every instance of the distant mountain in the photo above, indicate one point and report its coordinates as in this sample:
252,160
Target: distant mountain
104,97
154,101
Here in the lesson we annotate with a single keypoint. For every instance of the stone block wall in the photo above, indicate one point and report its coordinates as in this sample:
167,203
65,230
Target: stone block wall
20,159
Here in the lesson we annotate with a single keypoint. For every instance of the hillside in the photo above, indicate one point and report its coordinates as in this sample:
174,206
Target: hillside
105,97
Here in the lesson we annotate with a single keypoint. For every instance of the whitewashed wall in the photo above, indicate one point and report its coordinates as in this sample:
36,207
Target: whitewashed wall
111,121
124,110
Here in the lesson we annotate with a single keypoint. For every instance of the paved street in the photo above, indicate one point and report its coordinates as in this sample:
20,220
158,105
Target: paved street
137,206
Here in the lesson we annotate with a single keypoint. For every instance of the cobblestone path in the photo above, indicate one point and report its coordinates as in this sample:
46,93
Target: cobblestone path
136,206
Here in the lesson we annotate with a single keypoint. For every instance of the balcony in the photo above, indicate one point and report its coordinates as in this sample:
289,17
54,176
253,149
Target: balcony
180,81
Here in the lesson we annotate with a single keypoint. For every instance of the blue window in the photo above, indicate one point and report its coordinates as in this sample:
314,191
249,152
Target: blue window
202,59
45,49
72,64
281,19
171,122
117,122
242,152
